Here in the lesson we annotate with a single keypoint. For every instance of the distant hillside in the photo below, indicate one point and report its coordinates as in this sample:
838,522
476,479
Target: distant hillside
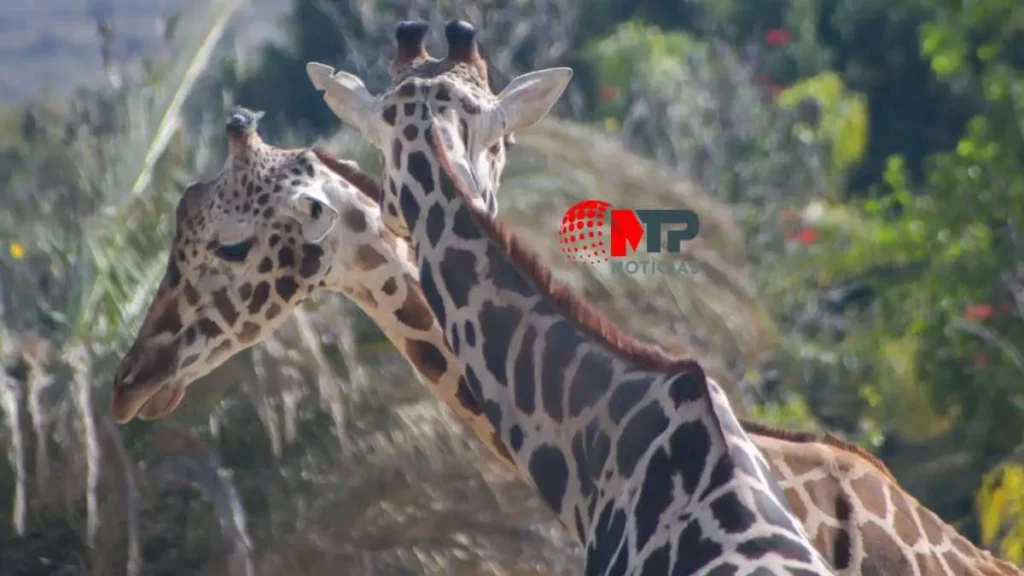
52,46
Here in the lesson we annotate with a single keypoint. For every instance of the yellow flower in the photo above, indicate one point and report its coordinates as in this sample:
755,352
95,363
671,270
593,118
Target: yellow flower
17,251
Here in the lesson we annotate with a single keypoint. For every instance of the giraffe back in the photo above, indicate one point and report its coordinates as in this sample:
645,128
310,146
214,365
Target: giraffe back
857,514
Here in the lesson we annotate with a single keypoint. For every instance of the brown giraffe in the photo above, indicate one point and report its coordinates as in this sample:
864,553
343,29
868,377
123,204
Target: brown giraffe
833,493
250,245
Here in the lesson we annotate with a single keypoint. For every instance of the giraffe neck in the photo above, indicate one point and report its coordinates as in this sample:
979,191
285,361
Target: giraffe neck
384,285
623,443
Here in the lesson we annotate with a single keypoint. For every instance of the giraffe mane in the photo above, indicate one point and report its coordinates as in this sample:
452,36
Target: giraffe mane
365,183
807,437
564,299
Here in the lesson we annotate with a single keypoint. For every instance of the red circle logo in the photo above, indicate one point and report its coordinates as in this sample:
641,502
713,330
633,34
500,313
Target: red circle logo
583,231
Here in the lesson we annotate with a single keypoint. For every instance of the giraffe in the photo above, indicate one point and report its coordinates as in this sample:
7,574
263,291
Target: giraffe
250,245
636,451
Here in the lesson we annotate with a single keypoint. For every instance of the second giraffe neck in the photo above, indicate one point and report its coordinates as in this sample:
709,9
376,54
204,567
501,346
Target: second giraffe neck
386,288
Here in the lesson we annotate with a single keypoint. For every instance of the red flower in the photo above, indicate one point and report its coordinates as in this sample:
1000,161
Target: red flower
778,37
776,89
607,93
808,236
976,312
980,359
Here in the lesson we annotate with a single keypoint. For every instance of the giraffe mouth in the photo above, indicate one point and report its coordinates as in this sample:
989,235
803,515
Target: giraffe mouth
147,402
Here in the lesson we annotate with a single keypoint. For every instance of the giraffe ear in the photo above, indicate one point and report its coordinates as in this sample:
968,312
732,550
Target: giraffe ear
314,211
345,95
529,97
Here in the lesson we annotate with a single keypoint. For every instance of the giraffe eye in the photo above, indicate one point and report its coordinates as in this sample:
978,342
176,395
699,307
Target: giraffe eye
236,252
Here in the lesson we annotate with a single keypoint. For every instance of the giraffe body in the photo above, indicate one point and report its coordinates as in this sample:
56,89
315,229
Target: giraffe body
638,453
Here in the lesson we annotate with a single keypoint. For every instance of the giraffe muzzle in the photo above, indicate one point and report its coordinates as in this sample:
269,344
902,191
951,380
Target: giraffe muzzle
147,385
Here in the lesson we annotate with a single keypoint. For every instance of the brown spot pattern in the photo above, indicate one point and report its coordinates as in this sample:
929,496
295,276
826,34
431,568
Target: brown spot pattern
355,220
250,331
796,503
884,556
390,286
930,525
842,551
465,397
368,258
222,302
396,154
414,312
259,297
311,255
221,349
871,494
209,328
285,286
427,359
903,522
824,539
285,257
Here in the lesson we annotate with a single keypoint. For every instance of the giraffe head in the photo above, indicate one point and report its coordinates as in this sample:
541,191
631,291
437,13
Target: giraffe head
396,121
249,246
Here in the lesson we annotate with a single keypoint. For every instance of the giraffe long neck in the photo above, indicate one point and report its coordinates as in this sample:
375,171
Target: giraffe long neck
620,449
859,517
387,289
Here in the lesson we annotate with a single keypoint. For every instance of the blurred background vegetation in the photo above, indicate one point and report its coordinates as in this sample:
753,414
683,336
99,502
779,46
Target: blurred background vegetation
858,167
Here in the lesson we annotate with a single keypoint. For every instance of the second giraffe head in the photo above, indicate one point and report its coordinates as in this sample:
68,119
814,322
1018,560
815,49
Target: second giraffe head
456,87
